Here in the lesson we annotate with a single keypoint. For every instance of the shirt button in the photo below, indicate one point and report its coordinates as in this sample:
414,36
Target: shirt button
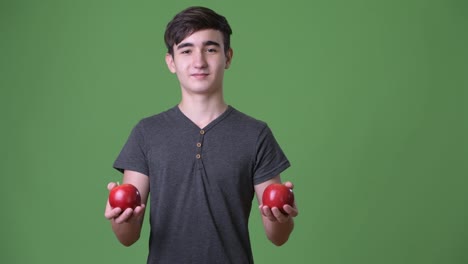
198,144
202,132
198,156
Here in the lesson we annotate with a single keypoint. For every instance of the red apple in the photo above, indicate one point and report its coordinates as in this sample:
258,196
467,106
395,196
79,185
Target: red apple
277,195
124,196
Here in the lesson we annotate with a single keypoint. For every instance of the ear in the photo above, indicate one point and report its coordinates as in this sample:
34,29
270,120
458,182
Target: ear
229,55
170,63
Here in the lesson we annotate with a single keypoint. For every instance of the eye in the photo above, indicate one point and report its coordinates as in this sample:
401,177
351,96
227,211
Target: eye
211,50
187,51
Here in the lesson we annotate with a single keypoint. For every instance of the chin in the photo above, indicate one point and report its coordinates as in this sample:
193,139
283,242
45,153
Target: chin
202,90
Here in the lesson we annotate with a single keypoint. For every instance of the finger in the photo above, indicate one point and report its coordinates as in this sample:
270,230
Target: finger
262,212
139,209
289,184
266,211
112,213
280,217
292,211
124,216
111,185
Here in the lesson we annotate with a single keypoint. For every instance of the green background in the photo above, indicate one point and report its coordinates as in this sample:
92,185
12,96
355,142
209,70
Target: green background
367,98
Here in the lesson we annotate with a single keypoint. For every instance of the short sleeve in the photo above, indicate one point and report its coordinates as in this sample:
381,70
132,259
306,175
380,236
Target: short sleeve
133,155
270,159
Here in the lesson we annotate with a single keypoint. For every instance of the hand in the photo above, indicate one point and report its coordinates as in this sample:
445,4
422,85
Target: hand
116,214
275,215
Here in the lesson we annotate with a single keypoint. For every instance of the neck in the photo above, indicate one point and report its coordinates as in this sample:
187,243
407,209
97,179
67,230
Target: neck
202,109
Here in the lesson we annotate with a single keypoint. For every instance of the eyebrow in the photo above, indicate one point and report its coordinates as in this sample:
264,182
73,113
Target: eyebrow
205,43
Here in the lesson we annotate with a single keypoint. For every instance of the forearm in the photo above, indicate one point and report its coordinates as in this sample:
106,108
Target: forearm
128,232
278,233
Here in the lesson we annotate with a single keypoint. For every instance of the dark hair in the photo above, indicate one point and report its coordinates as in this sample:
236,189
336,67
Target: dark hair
193,19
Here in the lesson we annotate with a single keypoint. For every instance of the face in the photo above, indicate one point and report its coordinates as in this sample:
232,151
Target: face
199,62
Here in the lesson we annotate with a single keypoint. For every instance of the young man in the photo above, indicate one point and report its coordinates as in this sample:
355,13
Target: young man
202,160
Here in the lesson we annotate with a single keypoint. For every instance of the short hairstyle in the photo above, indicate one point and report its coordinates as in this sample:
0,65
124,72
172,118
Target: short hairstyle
193,19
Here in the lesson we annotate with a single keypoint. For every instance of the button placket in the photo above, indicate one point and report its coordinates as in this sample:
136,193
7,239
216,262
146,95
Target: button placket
200,144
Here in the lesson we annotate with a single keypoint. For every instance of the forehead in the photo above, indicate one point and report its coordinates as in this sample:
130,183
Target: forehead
203,36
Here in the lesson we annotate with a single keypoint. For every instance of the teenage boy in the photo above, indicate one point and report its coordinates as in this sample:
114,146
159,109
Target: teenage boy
202,160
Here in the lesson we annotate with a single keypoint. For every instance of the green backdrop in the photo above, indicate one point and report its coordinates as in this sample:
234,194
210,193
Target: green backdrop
367,98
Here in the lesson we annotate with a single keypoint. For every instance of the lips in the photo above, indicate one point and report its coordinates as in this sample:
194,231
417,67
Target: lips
199,75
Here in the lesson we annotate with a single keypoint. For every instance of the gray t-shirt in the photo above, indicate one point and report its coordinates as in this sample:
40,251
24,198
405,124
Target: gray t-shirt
201,183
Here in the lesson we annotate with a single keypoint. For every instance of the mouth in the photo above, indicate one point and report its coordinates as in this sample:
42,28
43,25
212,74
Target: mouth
199,75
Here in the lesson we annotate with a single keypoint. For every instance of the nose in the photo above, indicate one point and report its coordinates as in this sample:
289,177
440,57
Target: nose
199,60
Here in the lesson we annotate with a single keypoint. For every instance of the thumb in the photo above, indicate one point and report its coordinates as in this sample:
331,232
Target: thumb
289,184
111,185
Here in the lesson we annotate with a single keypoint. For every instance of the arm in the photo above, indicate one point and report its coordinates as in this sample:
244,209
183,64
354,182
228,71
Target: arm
127,225
278,226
